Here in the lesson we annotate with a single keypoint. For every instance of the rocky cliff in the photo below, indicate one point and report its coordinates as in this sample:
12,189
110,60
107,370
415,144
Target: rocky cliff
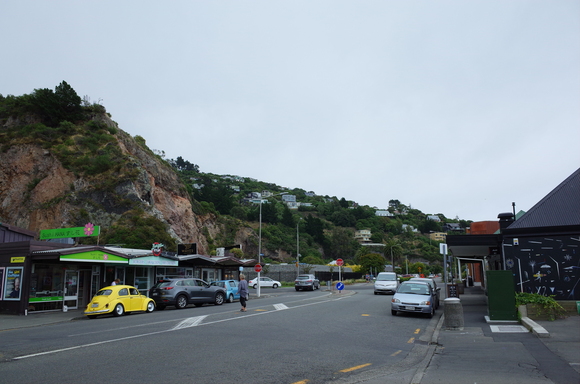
39,189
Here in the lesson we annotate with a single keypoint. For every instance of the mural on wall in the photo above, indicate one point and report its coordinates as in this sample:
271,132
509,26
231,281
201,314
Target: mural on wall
545,265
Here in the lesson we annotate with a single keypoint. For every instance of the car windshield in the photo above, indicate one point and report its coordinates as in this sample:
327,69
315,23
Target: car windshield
104,292
387,277
162,284
416,289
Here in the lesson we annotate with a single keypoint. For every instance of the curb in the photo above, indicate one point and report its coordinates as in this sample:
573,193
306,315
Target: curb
535,328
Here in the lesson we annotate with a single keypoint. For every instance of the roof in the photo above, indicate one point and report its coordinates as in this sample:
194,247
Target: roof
559,208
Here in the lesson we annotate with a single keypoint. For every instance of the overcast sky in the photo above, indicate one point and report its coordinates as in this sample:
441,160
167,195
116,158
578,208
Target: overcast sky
453,107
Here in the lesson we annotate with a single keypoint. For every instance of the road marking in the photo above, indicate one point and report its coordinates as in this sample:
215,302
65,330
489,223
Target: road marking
280,307
396,353
165,331
191,322
417,331
354,368
301,382
364,314
411,340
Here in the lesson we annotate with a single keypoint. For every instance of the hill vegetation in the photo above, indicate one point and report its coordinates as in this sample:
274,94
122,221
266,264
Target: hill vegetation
323,227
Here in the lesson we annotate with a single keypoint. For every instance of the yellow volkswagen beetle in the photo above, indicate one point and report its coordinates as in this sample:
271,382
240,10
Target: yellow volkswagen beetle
118,299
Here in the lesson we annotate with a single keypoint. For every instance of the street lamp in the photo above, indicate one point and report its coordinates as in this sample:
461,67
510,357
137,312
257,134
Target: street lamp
298,247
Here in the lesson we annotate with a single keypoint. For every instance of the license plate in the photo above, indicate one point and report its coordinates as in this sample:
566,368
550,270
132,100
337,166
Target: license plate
154,294
410,308
95,305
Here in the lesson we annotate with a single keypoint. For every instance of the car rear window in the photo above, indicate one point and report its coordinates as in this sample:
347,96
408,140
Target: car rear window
303,278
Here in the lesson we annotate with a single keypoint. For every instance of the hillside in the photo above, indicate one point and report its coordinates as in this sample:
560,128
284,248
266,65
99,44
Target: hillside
64,162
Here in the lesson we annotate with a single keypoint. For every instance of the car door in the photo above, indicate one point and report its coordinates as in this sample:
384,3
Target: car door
125,299
136,300
233,284
194,289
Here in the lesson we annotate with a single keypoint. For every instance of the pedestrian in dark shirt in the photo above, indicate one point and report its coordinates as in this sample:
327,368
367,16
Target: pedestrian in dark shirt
243,291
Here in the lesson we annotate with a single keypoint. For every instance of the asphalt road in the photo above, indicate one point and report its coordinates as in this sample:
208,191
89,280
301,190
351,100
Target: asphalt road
286,337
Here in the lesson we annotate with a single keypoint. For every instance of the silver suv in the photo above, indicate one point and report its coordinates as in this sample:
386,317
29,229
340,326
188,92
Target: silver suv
309,282
180,292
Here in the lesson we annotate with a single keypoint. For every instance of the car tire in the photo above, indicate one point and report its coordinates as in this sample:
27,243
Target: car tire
119,310
432,313
150,307
255,286
92,316
181,302
376,293
393,312
230,298
219,298
275,286
313,287
297,289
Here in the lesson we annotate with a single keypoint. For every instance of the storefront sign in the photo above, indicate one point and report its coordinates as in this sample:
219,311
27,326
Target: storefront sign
45,298
153,261
17,259
62,233
187,249
95,257
12,284
156,249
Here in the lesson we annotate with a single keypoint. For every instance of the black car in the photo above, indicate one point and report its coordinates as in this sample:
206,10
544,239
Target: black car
181,292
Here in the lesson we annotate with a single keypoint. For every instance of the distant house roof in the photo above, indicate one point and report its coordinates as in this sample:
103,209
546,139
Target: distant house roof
561,207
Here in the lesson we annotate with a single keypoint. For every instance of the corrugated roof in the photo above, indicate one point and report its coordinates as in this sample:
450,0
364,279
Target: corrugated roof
561,207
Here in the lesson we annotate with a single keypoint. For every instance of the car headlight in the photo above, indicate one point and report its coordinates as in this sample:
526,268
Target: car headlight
426,302
396,300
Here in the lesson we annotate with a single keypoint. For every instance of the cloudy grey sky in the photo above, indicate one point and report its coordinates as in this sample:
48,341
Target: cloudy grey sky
453,107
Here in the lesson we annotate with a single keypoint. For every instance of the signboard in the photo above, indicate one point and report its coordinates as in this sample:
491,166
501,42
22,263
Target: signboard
452,290
258,268
17,259
12,283
95,257
443,249
156,249
339,262
1,281
187,249
153,261
62,233
340,285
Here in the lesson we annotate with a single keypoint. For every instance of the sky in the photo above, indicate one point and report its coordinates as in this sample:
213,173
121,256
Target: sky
452,107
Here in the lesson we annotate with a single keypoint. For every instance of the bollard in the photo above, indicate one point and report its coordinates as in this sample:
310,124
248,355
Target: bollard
453,311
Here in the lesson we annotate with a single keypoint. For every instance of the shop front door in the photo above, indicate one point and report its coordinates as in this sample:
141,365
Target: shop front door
71,289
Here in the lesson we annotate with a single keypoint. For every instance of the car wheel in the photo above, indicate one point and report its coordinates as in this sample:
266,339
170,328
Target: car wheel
119,310
231,298
432,313
92,316
255,286
275,286
313,287
376,293
219,298
297,289
393,312
181,302
150,307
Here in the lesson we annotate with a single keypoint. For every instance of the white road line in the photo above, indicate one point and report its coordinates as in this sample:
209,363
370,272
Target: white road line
191,322
166,330
280,307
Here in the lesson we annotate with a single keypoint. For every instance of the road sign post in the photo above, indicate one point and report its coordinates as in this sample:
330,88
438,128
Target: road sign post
258,268
339,262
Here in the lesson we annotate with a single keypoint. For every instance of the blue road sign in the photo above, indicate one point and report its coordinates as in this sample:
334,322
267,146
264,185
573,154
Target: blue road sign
340,285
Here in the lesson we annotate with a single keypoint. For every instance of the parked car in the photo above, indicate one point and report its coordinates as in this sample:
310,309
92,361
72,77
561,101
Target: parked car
433,285
231,288
264,282
414,297
386,282
309,282
181,292
118,299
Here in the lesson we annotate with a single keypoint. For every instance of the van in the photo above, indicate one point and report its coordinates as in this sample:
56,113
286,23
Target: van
386,282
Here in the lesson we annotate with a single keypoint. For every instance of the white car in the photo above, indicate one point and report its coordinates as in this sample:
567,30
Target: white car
386,282
264,282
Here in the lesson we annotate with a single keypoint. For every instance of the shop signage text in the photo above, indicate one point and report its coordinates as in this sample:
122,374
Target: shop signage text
62,233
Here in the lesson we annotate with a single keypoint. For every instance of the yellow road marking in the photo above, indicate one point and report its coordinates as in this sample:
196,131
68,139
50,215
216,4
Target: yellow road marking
354,368
396,353
364,314
411,340
261,310
301,382
417,331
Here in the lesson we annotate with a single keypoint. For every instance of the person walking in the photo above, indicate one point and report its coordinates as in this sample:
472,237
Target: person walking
243,291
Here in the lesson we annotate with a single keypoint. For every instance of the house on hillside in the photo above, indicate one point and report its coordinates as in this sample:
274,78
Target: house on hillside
434,218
